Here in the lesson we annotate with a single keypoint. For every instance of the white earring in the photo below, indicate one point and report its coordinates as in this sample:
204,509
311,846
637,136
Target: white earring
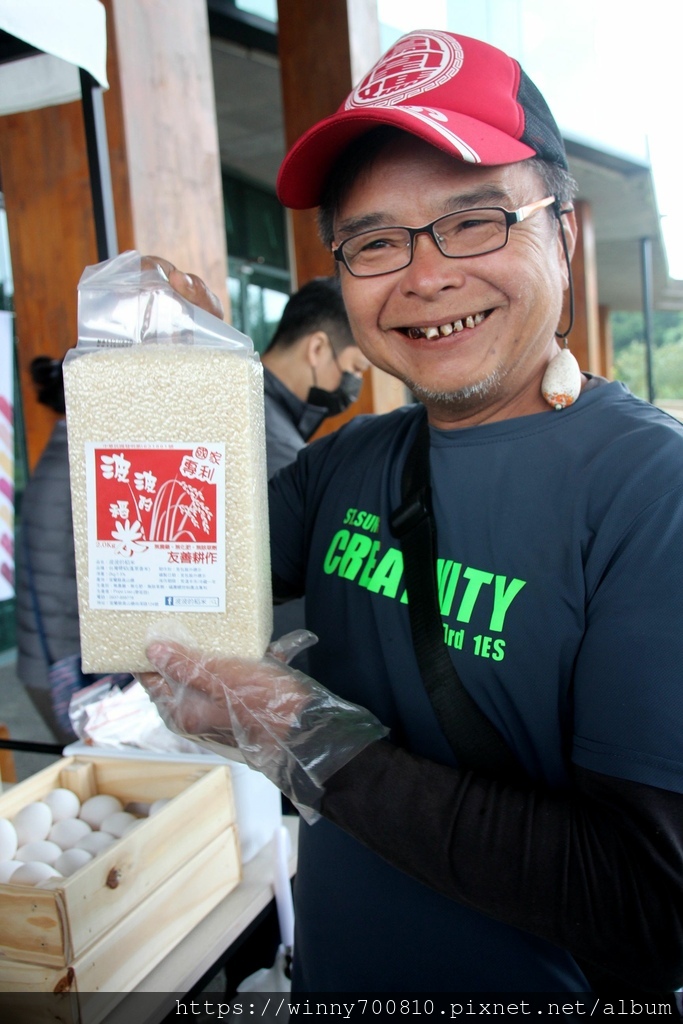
561,384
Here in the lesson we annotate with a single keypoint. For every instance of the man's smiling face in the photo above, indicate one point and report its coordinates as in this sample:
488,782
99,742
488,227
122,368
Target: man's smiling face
470,337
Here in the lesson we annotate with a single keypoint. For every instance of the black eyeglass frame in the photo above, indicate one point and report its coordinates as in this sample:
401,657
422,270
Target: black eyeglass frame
511,217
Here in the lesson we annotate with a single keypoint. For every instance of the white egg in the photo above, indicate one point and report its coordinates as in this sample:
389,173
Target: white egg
41,849
63,803
33,873
32,822
94,842
7,867
97,808
118,823
72,860
157,805
8,839
66,833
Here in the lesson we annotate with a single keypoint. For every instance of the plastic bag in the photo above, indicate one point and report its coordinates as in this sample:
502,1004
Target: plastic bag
128,300
167,454
115,716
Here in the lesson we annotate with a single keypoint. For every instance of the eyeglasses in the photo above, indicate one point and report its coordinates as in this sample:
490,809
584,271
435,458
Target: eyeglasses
457,235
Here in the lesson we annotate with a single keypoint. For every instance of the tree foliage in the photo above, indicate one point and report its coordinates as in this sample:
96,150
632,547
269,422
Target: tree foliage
628,335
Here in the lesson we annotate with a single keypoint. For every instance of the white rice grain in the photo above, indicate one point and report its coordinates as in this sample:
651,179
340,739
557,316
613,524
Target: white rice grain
176,393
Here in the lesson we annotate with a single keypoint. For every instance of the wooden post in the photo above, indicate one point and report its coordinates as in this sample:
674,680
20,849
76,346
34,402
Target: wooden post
584,339
606,342
325,49
7,767
317,71
165,163
52,238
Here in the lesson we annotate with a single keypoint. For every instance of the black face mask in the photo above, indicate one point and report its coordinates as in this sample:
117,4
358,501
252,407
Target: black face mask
341,398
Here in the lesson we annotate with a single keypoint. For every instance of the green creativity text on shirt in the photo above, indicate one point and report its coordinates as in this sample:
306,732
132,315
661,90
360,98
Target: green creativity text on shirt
355,554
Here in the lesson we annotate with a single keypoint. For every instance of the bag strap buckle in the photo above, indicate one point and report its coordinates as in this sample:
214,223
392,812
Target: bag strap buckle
410,514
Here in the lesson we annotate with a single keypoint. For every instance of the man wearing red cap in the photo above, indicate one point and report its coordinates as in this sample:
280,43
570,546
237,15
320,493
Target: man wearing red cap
553,502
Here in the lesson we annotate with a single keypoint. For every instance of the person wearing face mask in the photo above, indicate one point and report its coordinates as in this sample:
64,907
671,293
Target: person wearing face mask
312,369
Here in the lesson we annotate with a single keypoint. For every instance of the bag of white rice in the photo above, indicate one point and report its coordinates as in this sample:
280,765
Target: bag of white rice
165,423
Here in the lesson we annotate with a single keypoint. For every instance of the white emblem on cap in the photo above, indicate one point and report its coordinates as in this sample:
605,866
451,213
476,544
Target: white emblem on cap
420,61
435,119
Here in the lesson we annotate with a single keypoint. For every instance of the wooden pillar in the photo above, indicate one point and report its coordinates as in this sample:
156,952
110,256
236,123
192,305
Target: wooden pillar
165,160
584,339
606,342
325,49
52,238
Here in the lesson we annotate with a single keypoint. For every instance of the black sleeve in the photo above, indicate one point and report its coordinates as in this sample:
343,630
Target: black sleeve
283,591
598,871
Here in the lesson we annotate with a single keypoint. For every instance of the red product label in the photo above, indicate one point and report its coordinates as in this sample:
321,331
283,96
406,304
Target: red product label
156,495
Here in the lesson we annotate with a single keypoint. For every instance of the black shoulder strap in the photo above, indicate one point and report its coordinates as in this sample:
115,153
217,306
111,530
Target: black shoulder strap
474,739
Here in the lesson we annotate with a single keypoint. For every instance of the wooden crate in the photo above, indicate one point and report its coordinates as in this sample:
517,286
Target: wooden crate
105,927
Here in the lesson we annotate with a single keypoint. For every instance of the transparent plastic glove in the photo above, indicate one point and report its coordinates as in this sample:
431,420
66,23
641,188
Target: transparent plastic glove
283,723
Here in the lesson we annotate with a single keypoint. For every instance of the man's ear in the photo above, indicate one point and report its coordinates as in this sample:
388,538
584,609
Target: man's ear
317,344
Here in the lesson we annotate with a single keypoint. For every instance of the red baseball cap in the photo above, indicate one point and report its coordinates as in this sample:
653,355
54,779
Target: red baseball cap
459,94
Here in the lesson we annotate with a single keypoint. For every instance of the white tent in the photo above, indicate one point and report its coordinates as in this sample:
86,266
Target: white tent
51,52
71,34
55,51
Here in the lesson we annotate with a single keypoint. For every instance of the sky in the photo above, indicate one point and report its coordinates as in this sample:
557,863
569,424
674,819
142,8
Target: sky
611,78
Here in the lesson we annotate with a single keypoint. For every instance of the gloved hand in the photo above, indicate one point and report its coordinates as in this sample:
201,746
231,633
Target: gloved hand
278,720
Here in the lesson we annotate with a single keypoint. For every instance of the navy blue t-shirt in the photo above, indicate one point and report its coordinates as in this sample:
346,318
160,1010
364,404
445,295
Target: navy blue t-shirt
559,564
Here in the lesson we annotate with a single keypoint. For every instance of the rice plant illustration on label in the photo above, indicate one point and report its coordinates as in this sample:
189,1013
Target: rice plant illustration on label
156,526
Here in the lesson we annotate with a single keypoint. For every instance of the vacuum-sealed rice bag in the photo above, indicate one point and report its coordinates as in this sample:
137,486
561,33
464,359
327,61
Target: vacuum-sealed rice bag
165,422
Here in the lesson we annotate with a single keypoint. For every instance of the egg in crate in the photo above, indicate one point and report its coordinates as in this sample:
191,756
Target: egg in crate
7,868
32,822
39,850
33,873
67,832
71,860
63,803
8,840
99,807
